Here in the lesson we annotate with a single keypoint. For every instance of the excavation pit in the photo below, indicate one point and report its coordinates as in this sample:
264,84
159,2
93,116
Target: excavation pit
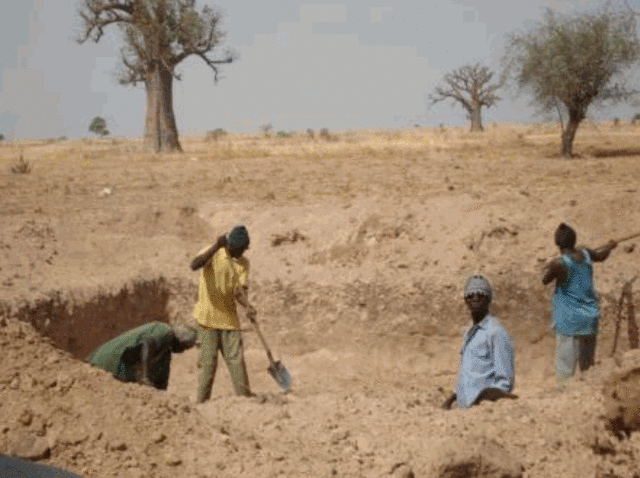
78,322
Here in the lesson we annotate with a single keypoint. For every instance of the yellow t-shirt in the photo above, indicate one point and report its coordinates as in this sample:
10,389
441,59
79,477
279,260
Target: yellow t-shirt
220,278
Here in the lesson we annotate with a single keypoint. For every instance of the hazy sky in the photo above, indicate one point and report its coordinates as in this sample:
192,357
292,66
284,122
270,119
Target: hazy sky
362,64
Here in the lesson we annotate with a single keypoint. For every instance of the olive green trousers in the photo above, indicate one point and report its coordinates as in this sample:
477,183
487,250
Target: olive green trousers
229,343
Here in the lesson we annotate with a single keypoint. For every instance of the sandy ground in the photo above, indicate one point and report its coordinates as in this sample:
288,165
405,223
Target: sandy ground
360,248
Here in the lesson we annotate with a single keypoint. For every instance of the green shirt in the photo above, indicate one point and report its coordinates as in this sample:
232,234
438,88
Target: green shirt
122,355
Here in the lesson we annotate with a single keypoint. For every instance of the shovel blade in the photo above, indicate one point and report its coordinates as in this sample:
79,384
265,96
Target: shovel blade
281,375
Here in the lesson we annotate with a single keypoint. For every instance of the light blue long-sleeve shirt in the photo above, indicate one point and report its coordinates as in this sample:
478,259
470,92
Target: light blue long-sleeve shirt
486,361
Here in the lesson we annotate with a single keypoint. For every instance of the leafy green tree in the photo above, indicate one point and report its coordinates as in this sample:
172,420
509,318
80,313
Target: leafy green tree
99,126
158,35
567,62
470,86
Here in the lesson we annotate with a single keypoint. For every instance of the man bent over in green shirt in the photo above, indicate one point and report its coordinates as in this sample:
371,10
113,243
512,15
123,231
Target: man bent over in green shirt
143,354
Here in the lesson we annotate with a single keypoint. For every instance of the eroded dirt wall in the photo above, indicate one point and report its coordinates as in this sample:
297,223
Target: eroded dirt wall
78,323
308,312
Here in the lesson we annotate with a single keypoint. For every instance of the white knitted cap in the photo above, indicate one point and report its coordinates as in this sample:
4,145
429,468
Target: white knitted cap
478,285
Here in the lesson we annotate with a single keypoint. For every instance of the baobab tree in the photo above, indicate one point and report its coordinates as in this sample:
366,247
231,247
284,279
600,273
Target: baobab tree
471,87
157,35
569,61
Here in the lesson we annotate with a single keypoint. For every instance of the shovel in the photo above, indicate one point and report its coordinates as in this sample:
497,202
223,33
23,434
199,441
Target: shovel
622,239
276,369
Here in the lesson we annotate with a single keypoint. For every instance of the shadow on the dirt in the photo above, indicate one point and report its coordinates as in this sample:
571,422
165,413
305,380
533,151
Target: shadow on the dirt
14,467
612,153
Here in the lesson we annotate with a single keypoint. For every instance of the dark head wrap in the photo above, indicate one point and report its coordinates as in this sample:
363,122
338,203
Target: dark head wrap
565,236
238,240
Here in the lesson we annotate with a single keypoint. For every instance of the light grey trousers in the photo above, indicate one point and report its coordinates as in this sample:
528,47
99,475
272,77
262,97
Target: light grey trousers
571,351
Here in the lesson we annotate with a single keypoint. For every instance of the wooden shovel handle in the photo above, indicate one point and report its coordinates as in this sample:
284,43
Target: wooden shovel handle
618,241
264,342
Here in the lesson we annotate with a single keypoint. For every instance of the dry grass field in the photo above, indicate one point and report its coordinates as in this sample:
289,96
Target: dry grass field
360,246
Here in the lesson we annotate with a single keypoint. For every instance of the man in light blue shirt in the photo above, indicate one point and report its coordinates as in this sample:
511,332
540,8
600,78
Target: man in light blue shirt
486,370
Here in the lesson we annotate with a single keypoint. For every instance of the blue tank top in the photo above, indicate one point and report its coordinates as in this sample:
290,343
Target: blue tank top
575,306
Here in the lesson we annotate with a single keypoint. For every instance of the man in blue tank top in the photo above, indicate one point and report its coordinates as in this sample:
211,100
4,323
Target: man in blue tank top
575,308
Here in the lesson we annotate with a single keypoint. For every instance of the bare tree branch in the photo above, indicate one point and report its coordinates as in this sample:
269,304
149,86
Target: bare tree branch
96,15
165,32
132,74
468,85
212,64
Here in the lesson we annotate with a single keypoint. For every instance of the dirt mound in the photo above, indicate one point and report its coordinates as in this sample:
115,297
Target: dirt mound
75,416
621,394
475,457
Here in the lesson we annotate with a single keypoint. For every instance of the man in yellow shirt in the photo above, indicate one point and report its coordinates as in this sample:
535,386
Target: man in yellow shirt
224,280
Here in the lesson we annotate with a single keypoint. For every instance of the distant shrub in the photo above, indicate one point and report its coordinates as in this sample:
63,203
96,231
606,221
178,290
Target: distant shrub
283,134
62,138
98,126
310,133
616,121
1,137
266,128
635,118
216,134
324,134
21,166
